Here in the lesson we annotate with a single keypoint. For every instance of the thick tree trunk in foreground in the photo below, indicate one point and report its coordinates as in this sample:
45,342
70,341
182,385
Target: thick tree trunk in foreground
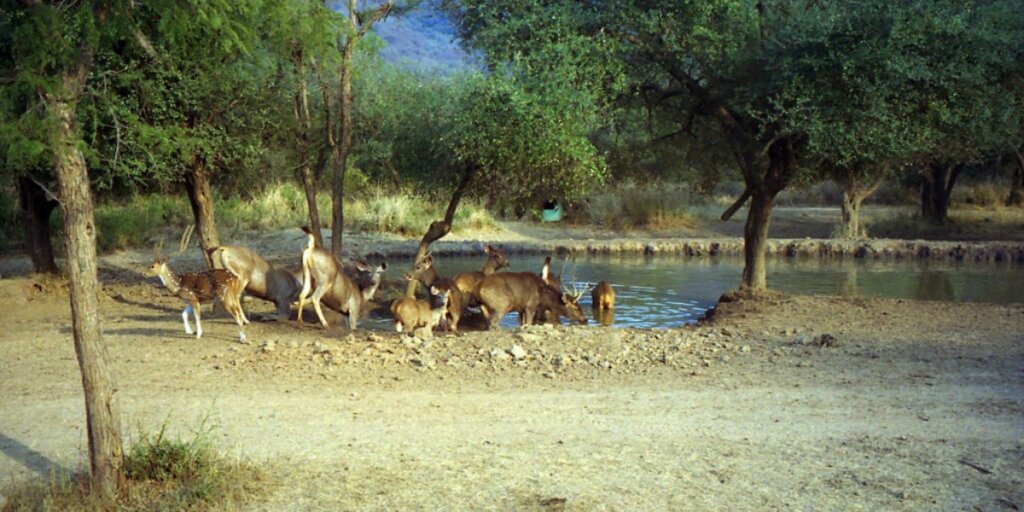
36,208
936,190
200,197
439,228
305,170
106,456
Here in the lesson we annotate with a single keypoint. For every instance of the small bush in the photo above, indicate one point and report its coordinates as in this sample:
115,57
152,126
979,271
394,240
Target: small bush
162,474
987,195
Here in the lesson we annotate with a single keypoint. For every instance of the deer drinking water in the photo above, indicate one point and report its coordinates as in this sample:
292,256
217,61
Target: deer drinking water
196,288
411,313
322,275
526,293
603,296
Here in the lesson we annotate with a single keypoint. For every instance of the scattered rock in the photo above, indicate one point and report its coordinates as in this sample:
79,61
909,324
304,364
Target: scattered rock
268,346
517,352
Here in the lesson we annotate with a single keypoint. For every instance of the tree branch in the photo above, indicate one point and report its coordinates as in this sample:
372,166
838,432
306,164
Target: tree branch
727,214
377,15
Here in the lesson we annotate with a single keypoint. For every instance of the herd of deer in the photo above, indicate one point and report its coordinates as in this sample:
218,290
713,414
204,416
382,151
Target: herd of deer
324,281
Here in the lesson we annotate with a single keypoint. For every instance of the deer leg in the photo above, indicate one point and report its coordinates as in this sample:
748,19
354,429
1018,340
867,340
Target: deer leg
495,318
526,317
199,325
453,323
184,318
234,306
304,294
353,314
241,289
317,294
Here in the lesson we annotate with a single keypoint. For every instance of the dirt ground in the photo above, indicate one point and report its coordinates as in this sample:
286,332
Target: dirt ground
813,403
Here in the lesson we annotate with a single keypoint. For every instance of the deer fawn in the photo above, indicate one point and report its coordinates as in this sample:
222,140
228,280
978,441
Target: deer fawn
468,281
195,288
603,296
321,274
426,273
411,313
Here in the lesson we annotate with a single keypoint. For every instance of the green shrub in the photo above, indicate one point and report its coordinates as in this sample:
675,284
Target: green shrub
162,474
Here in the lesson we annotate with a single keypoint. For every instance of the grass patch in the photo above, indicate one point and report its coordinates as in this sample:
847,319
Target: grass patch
138,221
965,224
162,474
631,206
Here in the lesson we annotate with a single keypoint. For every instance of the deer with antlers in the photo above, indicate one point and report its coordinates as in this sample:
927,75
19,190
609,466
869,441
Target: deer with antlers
529,295
196,288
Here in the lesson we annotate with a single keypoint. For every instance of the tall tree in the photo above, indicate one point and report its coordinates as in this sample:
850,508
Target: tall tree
56,44
356,23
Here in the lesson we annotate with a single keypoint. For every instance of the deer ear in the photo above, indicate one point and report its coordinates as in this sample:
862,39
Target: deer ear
383,266
488,249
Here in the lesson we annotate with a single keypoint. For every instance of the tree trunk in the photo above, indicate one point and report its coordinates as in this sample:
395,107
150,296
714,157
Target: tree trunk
106,456
936,190
36,208
853,196
755,240
1016,197
200,197
440,228
342,149
305,171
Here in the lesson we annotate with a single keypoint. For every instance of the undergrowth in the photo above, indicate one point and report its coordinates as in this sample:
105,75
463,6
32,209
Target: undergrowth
163,474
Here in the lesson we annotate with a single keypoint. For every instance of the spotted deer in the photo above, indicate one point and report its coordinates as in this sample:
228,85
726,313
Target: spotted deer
196,288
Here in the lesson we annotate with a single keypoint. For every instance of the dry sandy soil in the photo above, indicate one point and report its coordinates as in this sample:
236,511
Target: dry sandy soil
903,406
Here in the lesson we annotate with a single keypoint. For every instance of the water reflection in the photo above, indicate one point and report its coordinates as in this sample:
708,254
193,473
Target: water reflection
669,291
935,285
604,317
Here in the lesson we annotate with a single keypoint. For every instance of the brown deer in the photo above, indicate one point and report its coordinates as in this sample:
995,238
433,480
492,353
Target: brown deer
425,272
195,288
468,281
526,293
322,275
411,313
259,278
603,296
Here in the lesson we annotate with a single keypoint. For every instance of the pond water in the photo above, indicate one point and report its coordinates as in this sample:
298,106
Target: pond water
669,291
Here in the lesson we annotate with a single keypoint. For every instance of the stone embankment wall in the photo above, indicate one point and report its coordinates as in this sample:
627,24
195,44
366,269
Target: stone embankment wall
867,249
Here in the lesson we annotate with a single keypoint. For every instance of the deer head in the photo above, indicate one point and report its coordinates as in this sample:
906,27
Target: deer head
159,265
